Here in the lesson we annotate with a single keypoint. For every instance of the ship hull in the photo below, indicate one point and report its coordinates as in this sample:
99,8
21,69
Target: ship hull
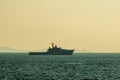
65,52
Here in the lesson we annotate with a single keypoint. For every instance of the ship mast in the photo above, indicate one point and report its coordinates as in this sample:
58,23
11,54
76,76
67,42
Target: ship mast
52,45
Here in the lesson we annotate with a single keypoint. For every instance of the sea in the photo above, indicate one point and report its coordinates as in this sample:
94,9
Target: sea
80,66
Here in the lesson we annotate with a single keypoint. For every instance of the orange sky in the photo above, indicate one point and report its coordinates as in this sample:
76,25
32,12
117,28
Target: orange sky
80,24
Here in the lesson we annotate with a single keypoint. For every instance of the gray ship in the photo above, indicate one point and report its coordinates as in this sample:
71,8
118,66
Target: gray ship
54,50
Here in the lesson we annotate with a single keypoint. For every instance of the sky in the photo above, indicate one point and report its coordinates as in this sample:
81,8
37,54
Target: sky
74,24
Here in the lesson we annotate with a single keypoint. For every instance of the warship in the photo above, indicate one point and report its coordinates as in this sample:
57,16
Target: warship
54,50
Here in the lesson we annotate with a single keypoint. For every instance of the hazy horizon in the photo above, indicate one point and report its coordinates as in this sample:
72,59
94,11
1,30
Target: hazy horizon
73,24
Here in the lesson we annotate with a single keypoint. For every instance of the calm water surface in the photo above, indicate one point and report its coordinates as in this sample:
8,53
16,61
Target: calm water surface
85,66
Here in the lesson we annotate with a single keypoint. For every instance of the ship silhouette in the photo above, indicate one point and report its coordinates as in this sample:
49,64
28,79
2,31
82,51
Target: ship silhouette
54,50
